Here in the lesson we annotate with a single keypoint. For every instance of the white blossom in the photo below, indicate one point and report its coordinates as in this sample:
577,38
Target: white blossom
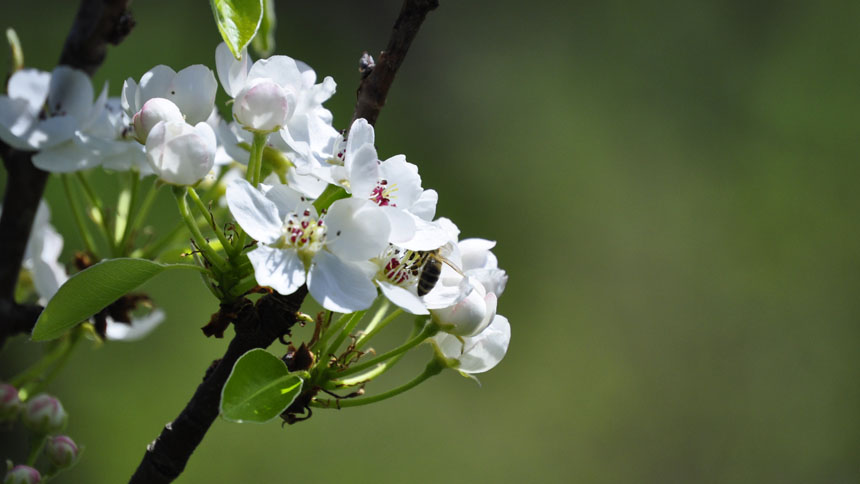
329,251
478,353
306,126
192,90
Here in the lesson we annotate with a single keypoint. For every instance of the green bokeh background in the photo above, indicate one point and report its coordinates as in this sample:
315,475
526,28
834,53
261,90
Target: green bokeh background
673,189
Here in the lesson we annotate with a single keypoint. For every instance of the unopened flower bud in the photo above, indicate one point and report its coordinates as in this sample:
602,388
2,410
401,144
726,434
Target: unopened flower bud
61,450
469,316
181,154
10,405
263,106
44,414
22,474
153,111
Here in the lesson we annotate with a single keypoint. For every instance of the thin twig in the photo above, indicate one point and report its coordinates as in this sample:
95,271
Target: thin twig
374,85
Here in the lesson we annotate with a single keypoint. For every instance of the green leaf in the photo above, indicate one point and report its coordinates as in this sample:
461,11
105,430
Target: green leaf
264,41
238,21
93,289
259,388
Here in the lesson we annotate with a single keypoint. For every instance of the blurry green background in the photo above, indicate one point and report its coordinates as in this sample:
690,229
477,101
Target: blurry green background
673,189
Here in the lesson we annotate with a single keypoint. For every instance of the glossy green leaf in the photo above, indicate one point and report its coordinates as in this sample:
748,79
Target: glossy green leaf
238,21
259,389
93,289
264,41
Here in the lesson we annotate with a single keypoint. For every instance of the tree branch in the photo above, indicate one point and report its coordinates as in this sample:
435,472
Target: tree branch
98,23
274,315
374,85
257,326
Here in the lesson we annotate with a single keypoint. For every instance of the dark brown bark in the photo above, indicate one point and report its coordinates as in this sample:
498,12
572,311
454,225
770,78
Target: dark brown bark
257,326
98,23
375,84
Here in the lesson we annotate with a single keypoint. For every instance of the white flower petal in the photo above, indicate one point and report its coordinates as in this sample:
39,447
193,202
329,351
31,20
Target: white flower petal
153,83
280,269
402,297
128,99
426,236
179,153
338,285
425,206
16,123
280,69
363,169
479,353
403,179
476,254
193,90
32,86
360,134
285,198
356,229
70,94
139,327
402,225
255,213
231,72
65,158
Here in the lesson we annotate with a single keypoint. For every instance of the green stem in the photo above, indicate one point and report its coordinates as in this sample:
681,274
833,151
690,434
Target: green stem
244,285
434,367
75,338
257,158
201,207
370,374
97,212
211,256
428,331
353,322
140,215
125,206
36,449
76,212
41,365
328,332
372,329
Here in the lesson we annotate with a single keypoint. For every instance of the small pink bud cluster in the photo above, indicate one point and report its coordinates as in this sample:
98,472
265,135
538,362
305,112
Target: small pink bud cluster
22,475
44,414
10,404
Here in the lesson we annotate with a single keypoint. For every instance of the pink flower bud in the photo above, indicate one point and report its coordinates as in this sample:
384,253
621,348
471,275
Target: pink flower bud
155,110
22,475
44,414
263,106
61,450
10,405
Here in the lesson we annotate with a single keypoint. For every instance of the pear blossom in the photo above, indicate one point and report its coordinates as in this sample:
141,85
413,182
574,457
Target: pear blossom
280,91
329,251
65,96
470,315
179,153
399,270
478,353
393,184
192,90
61,451
55,114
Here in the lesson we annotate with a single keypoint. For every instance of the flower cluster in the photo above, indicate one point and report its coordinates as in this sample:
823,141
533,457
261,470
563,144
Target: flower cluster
325,212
